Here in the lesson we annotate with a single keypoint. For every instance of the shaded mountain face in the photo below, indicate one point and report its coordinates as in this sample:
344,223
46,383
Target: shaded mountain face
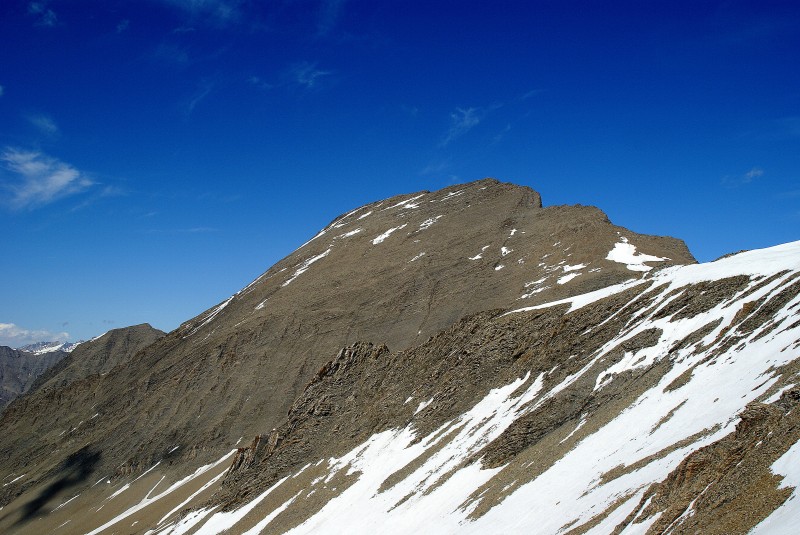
398,272
20,369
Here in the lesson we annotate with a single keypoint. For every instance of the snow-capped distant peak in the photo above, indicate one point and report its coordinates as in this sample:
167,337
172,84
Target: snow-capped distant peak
40,348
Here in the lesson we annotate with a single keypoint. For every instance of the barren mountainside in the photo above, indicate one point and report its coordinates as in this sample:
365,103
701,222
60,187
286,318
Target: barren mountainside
464,360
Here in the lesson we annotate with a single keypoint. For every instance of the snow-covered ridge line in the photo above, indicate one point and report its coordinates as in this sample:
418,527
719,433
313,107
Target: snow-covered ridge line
759,262
42,348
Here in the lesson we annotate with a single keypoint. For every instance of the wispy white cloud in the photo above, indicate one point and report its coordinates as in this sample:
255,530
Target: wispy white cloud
260,83
98,194
123,25
12,335
462,121
500,135
39,179
530,94
329,13
306,74
435,168
1,90
44,124
752,174
733,181
203,90
215,12
43,14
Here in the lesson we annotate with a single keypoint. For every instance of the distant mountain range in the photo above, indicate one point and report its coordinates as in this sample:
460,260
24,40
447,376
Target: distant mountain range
19,369
40,348
459,361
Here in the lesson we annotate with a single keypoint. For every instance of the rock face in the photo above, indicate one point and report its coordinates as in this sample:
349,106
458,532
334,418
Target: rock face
19,370
387,382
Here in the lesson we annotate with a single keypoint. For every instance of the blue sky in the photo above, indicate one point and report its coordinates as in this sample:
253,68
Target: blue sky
158,155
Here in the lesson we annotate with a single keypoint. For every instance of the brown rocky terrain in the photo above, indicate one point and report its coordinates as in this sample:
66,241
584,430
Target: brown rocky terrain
415,289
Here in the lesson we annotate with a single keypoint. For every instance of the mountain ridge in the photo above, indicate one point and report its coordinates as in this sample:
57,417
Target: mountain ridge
444,284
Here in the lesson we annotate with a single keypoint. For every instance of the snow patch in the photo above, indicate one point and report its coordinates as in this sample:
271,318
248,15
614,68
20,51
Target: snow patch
569,268
568,277
14,480
408,203
428,222
351,233
211,315
625,253
305,265
379,239
423,405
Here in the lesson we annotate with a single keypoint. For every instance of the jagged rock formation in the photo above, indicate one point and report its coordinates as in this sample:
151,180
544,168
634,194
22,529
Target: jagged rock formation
20,369
458,412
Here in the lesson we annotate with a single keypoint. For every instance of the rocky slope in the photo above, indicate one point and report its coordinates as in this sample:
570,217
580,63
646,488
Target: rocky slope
425,274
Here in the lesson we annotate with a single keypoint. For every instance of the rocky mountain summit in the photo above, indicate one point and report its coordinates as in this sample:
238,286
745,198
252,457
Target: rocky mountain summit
464,360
